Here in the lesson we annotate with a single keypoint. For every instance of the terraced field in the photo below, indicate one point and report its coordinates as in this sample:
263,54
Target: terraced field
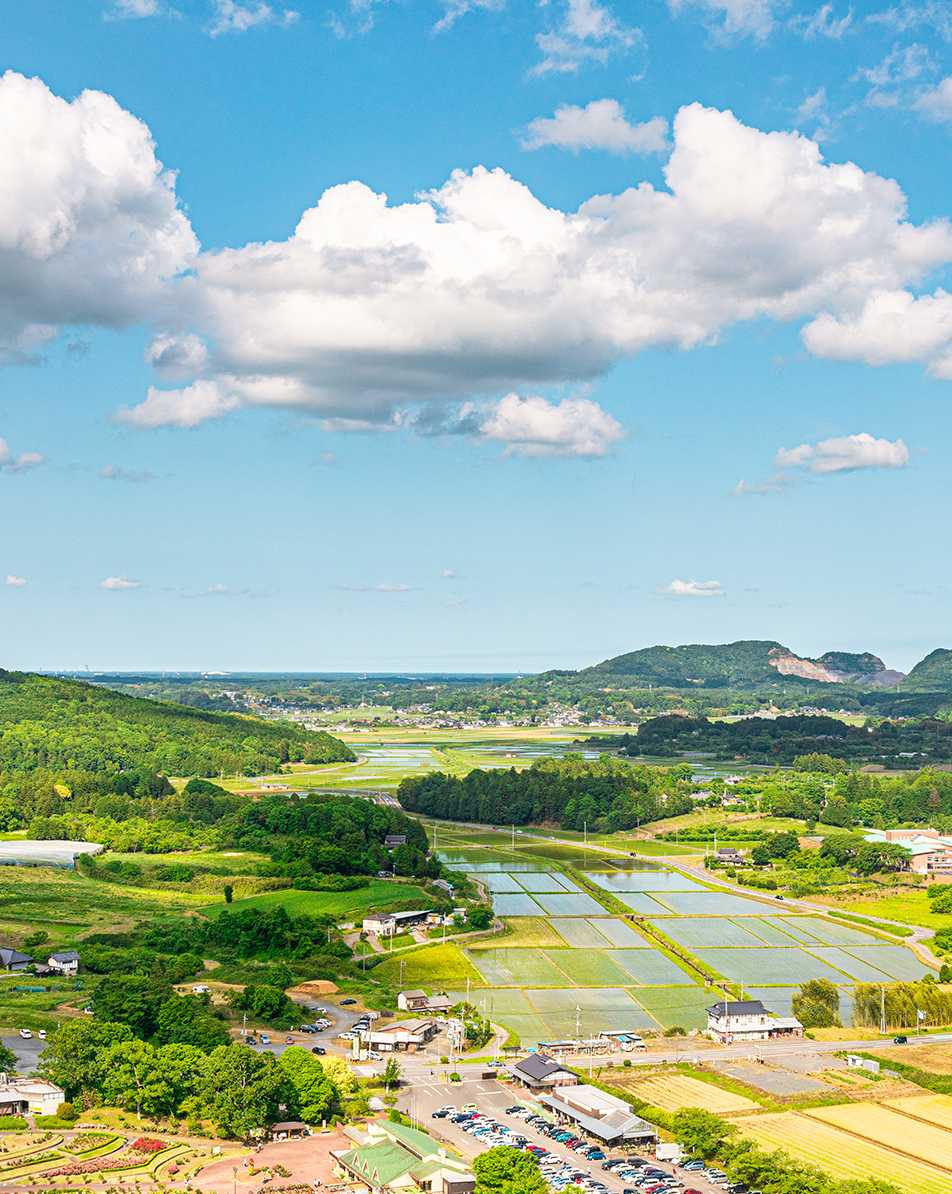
883,1125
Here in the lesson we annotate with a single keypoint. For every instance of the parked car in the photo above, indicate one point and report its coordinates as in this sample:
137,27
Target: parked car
319,1050
900,1040
26,1034
347,1002
265,1039
471,1107
251,1039
307,1028
42,1034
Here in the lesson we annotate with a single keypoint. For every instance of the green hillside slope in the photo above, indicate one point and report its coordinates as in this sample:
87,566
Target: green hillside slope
743,664
52,724
932,674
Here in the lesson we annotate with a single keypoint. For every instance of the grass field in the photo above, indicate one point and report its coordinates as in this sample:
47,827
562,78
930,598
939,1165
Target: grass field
534,932
671,1092
435,967
379,895
935,1058
910,908
503,967
841,1155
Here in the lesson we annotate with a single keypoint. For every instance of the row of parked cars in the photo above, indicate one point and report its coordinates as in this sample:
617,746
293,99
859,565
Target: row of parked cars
717,1177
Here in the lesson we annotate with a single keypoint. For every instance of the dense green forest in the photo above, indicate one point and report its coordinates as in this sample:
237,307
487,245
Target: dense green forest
570,792
782,740
48,724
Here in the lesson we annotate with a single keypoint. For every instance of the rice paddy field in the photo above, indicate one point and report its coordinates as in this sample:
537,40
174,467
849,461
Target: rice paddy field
564,950
671,1092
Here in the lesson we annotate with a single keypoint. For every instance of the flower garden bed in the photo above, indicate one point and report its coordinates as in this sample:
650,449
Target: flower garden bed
92,1143
27,1162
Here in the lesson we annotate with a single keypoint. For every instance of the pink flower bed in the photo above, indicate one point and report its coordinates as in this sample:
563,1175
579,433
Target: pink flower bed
97,1165
145,1144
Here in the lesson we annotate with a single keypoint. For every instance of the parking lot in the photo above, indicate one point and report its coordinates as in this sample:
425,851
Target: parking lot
425,1094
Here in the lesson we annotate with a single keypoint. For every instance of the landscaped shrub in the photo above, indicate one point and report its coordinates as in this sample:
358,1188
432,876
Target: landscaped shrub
146,1144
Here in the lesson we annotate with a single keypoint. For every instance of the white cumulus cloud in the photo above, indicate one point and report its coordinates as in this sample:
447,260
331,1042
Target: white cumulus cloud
693,588
891,327
178,408
478,288
535,427
844,452
120,582
14,582
19,464
599,125
90,232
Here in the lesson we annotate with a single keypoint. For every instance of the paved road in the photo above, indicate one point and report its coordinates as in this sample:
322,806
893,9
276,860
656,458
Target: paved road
28,1052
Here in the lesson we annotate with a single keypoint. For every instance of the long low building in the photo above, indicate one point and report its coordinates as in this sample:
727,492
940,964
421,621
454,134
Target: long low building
29,1096
598,1114
408,1035
393,1159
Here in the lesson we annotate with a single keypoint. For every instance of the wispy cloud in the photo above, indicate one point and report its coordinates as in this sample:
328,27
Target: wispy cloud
112,472
231,17
600,125
14,582
178,408
822,24
126,9
753,18
382,588
588,32
449,574
692,588
116,583
329,460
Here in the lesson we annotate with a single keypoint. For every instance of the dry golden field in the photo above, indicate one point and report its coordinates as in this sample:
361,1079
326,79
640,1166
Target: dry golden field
841,1155
674,1091
878,1124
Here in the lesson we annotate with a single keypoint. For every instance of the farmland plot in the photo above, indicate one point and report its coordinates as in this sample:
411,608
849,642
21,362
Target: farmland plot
712,903
876,1123
896,960
773,964
577,903
651,967
639,902
516,968
515,904
588,967
937,1109
670,1006
770,931
644,881
830,932
498,881
578,933
841,1155
601,1008
850,964
545,881
671,1092
619,934
706,931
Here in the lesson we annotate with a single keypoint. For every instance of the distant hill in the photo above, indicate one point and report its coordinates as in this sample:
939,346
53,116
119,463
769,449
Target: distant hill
53,724
932,674
748,664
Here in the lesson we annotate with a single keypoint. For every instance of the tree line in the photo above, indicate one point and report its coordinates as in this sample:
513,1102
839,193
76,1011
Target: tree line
606,794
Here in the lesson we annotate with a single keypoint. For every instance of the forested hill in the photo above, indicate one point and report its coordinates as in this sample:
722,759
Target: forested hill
749,665
48,724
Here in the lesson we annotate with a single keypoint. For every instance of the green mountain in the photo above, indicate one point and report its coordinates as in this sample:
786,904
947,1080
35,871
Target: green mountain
57,725
932,674
750,664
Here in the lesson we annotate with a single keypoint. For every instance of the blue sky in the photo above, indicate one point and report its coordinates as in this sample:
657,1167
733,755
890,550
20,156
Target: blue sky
649,340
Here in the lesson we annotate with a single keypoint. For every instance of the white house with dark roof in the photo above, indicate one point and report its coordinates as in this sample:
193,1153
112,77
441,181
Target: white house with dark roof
748,1020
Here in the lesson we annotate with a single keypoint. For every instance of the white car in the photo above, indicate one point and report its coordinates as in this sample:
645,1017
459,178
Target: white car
42,1034
26,1034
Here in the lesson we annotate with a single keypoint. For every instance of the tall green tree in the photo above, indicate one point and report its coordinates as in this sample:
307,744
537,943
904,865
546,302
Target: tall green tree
239,1089
313,1093
134,1077
76,1056
507,1171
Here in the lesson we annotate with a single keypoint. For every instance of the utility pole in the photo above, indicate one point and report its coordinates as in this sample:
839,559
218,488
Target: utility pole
882,1009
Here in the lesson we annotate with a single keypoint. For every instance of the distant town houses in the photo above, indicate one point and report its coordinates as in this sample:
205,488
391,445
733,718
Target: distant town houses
419,1001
